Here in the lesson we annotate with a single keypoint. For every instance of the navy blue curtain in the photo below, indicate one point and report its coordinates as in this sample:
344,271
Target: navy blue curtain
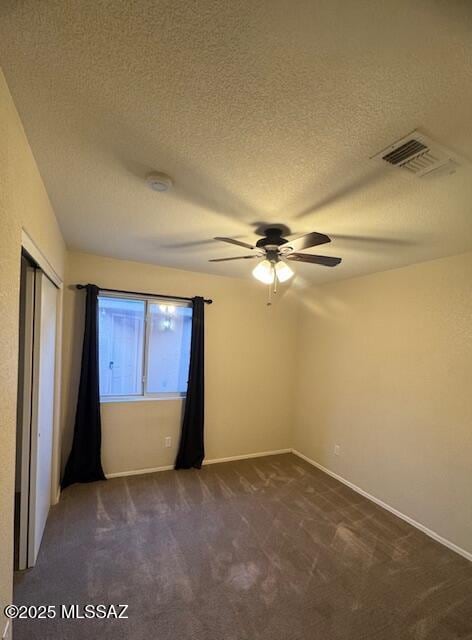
84,463
191,447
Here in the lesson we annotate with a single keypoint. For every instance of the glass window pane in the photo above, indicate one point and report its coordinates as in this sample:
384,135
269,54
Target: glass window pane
170,330
121,338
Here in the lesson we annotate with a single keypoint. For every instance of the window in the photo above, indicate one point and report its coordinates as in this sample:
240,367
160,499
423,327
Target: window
144,347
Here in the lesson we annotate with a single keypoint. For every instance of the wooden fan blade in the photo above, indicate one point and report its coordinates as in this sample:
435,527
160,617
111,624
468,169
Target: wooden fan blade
326,261
309,240
237,243
236,258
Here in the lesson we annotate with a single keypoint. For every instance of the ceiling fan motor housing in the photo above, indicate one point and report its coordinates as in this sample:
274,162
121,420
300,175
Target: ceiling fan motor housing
273,238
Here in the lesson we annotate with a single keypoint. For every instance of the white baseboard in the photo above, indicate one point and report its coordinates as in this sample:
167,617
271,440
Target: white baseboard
138,472
58,495
5,634
244,456
432,534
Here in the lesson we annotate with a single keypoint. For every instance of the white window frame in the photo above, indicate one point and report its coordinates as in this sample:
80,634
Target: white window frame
145,395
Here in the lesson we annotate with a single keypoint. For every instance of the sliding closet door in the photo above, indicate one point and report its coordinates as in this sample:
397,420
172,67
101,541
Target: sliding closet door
25,381
42,410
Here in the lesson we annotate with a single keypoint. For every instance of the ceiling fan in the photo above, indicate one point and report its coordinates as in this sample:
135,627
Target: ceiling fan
275,250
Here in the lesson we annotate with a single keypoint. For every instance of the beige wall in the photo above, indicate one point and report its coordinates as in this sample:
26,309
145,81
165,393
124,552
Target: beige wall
250,366
386,372
23,203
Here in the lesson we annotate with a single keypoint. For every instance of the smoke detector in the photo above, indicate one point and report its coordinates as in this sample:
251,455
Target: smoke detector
159,181
419,155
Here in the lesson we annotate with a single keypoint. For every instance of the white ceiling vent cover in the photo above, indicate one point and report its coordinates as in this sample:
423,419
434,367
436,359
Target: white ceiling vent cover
419,155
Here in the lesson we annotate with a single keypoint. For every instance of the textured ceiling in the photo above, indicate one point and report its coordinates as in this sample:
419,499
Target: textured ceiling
260,111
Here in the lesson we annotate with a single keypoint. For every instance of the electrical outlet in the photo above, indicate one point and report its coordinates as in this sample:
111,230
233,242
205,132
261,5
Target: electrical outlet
167,441
337,449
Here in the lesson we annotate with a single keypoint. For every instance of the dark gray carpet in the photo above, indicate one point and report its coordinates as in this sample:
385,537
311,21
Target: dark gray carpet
268,548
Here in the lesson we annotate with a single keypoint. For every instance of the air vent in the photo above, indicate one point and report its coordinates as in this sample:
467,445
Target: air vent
405,153
419,155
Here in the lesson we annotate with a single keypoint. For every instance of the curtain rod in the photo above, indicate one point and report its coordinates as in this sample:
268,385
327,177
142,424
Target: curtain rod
141,293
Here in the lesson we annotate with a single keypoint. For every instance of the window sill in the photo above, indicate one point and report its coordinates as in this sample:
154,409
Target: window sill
120,399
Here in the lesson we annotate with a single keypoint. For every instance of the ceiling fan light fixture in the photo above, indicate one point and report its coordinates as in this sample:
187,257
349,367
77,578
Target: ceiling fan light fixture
264,272
283,271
